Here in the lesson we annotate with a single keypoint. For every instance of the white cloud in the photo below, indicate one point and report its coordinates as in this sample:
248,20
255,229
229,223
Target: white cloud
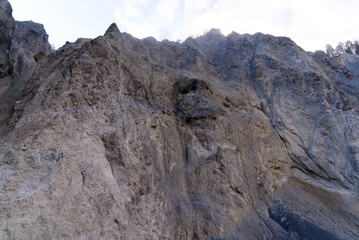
311,24
316,23
148,18
166,11
131,11
191,7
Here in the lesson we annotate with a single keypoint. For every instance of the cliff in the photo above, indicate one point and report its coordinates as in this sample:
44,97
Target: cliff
220,137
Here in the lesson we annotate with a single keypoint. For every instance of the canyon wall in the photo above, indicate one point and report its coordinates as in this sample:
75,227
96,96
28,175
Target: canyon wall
219,137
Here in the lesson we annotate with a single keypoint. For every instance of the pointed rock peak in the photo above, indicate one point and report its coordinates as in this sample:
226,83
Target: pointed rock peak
192,42
214,31
113,29
233,33
211,38
212,34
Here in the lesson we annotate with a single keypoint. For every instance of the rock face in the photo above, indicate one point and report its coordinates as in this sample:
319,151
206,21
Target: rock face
26,45
30,46
237,137
7,26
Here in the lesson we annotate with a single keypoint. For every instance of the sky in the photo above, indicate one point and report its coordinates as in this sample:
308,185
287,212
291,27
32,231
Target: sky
310,23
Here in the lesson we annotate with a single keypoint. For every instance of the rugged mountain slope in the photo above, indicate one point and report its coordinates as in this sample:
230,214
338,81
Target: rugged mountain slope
237,137
22,46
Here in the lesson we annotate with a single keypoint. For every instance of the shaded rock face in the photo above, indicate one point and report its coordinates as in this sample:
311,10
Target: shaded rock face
26,47
30,46
7,26
237,137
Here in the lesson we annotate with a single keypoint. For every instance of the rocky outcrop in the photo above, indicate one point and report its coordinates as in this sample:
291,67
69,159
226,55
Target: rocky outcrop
29,47
7,26
25,47
237,137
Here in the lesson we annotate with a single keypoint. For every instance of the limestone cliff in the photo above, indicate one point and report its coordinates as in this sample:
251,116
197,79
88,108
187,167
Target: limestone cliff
220,137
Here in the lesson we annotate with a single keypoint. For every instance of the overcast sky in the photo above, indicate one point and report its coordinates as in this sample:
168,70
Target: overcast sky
310,23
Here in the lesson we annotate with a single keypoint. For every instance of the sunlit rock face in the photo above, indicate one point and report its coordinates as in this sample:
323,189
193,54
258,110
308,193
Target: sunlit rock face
236,137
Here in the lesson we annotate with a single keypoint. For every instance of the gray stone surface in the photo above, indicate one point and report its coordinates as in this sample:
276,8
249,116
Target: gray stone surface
237,137
7,26
29,48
